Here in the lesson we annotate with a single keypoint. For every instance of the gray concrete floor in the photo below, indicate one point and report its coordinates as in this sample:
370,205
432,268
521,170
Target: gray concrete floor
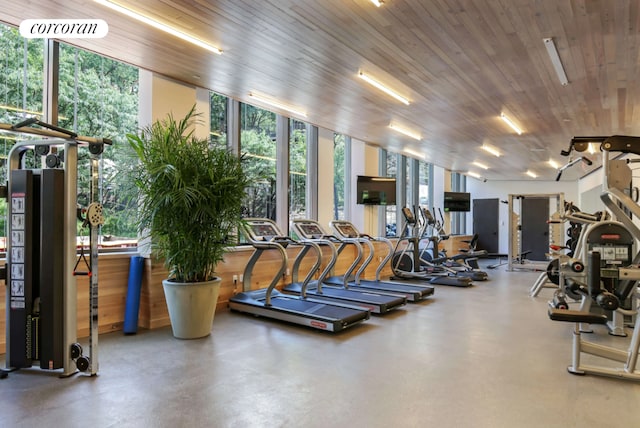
486,356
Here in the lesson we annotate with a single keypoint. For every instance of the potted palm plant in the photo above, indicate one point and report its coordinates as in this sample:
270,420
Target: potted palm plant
191,197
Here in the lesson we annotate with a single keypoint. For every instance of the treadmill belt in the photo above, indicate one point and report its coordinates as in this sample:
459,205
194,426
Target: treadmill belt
319,309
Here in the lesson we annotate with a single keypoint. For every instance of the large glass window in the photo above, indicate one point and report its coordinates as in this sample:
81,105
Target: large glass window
391,170
99,97
458,219
258,146
219,119
423,183
21,86
339,146
297,169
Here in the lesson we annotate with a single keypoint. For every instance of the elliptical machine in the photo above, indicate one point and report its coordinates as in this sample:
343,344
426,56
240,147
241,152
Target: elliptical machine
406,262
458,264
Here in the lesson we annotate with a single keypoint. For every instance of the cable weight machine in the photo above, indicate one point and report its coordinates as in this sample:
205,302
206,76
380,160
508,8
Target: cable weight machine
42,262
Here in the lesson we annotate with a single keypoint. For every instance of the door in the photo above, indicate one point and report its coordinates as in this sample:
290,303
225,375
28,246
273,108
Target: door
534,227
486,224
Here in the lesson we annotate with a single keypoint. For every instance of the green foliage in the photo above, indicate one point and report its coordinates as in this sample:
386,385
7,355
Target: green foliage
191,196
258,144
98,97
338,176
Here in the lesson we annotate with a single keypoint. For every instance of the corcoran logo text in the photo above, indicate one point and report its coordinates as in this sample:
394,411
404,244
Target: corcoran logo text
63,28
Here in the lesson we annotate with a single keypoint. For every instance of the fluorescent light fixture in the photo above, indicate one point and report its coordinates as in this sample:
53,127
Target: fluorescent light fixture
474,174
591,148
531,174
414,153
158,25
383,88
555,60
491,150
480,165
406,132
553,164
511,123
275,103
378,3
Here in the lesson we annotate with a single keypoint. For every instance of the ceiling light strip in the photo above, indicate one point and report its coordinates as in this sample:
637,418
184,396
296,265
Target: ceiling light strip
553,164
531,174
414,153
473,174
378,3
405,132
275,103
511,123
491,150
383,88
480,165
158,25
555,60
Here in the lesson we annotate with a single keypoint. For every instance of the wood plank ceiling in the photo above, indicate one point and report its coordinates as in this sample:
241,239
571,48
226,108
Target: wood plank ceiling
460,63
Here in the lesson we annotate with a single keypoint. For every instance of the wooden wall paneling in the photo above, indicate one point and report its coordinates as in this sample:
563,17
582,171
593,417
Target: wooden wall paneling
113,281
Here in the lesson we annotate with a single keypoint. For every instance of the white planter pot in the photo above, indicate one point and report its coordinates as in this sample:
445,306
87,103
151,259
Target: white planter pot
191,307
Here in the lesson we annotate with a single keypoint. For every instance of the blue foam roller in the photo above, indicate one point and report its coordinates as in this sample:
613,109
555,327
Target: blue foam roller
132,304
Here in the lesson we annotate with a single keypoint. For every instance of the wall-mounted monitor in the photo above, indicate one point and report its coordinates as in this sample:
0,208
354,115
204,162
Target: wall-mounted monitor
457,201
376,190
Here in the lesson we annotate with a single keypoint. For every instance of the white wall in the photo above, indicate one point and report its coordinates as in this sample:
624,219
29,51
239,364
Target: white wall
160,96
325,176
502,190
364,161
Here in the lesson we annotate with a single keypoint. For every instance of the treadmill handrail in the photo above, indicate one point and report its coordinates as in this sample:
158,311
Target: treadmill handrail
295,225
367,239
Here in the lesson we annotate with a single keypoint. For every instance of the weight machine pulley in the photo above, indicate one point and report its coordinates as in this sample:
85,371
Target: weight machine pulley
41,218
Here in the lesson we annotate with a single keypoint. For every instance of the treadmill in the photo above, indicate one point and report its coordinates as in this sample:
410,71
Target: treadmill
263,235
378,303
348,233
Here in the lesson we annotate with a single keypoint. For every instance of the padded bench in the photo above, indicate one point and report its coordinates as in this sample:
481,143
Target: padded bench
574,316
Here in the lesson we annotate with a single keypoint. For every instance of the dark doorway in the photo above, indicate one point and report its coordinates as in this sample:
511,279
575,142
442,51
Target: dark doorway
486,222
534,213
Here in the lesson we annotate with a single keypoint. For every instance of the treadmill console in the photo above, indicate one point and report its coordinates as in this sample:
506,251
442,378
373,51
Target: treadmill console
428,216
262,230
309,229
408,215
346,230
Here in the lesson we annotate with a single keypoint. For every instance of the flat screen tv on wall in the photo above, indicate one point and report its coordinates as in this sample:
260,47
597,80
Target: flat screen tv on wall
376,190
457,202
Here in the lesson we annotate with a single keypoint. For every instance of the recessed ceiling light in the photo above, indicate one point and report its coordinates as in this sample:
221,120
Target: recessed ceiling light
480,165
276,103
383,88
158,25
506,119
492,150
405,131
414,153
